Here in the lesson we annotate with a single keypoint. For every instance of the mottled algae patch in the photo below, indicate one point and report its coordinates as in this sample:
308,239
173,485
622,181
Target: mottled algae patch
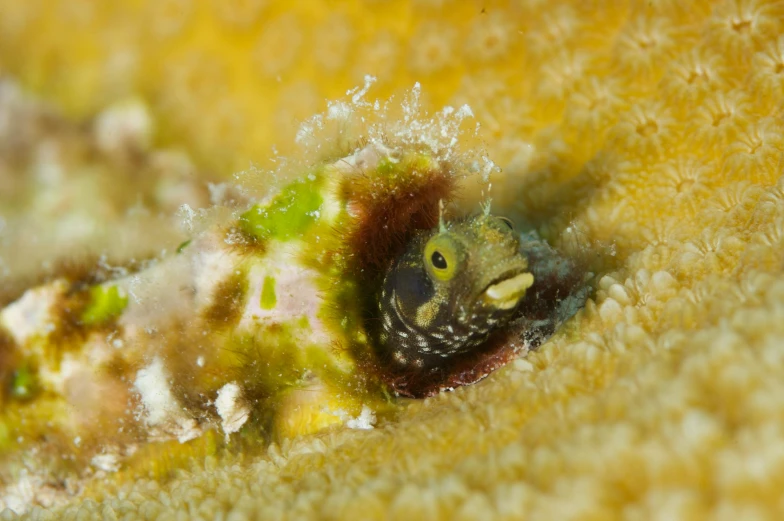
651,130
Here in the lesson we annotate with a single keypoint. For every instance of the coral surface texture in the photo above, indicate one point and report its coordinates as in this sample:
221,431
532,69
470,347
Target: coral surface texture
644,138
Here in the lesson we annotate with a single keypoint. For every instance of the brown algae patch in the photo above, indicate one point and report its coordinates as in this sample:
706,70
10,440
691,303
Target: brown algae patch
228,301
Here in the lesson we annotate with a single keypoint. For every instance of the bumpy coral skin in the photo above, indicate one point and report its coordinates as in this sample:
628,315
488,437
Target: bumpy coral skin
649,130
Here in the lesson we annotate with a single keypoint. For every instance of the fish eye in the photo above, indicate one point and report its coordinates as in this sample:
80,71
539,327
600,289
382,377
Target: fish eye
441,257
438,261
507,221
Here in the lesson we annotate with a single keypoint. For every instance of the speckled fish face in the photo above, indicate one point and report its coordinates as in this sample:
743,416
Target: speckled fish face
450,289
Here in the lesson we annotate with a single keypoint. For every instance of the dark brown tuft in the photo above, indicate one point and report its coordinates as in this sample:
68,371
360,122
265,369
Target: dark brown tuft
228,301
390,210
69,330
8,361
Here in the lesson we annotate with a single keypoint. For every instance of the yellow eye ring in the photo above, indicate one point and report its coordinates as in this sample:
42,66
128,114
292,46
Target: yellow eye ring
507,221
441,258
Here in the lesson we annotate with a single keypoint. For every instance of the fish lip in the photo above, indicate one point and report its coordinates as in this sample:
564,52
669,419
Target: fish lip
505,275
507,290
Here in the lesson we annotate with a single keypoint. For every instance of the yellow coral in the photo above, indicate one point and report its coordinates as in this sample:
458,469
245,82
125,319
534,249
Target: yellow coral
652,132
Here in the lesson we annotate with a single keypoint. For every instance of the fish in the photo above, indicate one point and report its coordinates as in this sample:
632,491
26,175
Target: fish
460,301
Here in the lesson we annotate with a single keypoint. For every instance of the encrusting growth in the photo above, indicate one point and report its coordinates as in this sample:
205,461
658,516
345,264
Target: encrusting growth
310,309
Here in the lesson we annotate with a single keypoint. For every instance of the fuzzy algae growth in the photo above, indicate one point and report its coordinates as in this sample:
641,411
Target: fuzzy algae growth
652,130
268,343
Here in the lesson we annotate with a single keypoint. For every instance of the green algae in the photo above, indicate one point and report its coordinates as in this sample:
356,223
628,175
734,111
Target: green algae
288,215
105,303
268,297
184,245
24,384
386,166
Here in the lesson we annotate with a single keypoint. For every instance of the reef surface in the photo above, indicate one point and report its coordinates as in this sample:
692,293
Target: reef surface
651,133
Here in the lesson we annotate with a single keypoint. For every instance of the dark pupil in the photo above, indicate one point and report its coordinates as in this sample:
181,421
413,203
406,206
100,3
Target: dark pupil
438,260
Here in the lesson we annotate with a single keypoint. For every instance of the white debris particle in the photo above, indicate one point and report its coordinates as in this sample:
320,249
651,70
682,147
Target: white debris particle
187,215
488,168
465,112
161,408
308,128
31,314
153,387
200,361
357,94
339,110
106,462
19,496
365,420
231,408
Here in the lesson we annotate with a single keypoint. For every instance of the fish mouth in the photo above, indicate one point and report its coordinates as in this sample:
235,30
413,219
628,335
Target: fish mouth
506,291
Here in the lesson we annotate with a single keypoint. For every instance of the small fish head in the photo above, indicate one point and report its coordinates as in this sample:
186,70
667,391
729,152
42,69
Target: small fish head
455,284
